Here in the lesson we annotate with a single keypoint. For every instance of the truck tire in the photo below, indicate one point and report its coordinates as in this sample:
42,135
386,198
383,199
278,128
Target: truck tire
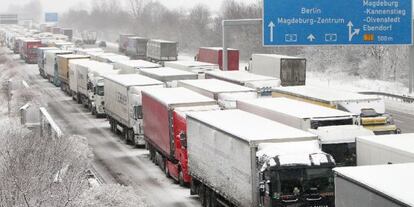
201,195
94,112
130,136
181,178
167,171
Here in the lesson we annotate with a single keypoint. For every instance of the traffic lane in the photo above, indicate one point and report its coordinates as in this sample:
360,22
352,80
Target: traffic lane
404,121
125,164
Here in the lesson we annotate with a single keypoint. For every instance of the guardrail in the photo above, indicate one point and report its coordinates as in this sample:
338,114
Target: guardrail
405,99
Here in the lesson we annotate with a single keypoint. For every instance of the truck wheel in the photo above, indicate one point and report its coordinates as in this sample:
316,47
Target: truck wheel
201,195
167,172
93,111
181,178
130,136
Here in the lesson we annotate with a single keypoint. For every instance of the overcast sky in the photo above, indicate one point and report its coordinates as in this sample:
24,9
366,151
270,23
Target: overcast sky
62,5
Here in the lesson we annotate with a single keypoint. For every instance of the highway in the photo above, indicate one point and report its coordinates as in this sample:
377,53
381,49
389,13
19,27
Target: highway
115,161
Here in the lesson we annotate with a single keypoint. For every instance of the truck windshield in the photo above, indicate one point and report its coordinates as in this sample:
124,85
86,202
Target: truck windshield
343,153
294,182
99,90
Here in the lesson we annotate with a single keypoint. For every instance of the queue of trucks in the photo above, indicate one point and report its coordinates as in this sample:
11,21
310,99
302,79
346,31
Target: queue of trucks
235,138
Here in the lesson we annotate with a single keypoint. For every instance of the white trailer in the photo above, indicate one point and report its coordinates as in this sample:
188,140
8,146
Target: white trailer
169,76
290,70
370,108
374,186
263,84
134,66
193,66
73,76
123,104
240,159
51,67
225,93
336,129
385,149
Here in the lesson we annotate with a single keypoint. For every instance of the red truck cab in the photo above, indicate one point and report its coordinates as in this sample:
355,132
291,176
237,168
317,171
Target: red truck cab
215,55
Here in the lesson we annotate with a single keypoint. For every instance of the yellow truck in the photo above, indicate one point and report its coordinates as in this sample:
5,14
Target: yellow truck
371,109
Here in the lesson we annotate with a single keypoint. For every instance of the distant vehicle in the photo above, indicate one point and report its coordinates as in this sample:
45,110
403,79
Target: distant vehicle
137,47
63,69
214,55
165,127
123,105
169,76
30,50
240,159
68,32
102,44
371,109
290,70
162,50
89,37
123,42
263,84
336,130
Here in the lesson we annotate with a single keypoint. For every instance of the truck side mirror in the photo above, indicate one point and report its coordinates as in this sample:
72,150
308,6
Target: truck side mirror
183,139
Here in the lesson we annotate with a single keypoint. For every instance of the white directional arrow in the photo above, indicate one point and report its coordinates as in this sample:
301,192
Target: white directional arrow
311,38
271,27
350,32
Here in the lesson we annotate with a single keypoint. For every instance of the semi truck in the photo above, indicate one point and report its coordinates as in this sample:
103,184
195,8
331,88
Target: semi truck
73,76
165,127
137,47
63,69
41,59
162,50
371,109
374,186
336,130
385,149
123,42
240,159
169,76
134,66
123,104
214,55
263,84
51,65
30,50
224,92
193,66
290,70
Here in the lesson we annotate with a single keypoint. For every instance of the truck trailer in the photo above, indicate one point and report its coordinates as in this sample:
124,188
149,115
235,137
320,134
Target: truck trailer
73,76
214,55
123,104
169,76
123,42
374,186
290,70
137,48
240,159
41,59
165,127
51,65
162,50
30,50
63,69
263,84
193,66
385,149
336,130
371,109
134,66
224,92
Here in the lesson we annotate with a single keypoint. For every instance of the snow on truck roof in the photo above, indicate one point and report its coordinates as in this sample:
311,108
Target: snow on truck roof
172,96
133,80
138,63
402,142
324,94
340,134
166,71
215,86
217,48
240,76
278,56
73,56
295,108
394,181
190,63
251,128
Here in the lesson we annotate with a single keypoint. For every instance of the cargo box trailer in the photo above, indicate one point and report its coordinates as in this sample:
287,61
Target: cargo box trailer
169,76
41,59
214,55
374,186
290,70
224,92
263,84
385,149
123,42
56,30
165,126
371,109
137,47
162,50
73,76
336,130
193,66
88,51
240,159
30,50
134,66
67,32
108,57
123,104
63,69
51,65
